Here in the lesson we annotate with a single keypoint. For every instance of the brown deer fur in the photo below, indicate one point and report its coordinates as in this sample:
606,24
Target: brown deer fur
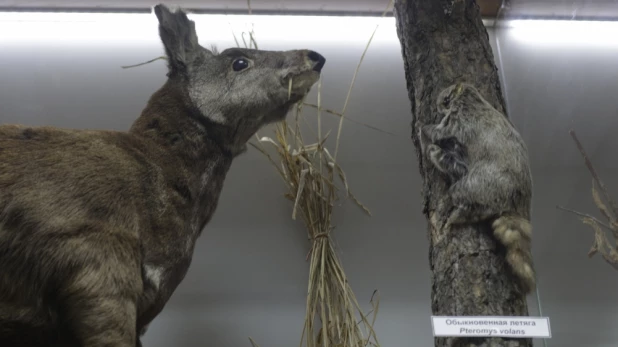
98,228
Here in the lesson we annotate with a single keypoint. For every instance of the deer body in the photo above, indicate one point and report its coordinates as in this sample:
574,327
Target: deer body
98,228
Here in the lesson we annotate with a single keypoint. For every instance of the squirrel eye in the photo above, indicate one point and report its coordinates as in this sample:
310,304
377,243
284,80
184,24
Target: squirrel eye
240,64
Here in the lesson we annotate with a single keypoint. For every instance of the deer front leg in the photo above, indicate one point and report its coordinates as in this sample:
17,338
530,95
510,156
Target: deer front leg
99,321
99,302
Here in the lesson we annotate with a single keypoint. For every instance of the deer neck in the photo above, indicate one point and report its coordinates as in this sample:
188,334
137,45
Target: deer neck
189,149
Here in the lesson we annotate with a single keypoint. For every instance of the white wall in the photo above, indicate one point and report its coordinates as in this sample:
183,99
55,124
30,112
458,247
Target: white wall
562,76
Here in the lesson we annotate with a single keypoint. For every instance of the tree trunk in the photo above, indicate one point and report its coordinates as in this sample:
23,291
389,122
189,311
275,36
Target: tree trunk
444,42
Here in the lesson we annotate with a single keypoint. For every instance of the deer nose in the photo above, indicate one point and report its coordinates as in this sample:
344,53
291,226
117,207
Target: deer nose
318,59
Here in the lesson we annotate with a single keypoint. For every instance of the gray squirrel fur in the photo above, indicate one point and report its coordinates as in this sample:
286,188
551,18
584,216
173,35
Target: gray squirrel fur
486,160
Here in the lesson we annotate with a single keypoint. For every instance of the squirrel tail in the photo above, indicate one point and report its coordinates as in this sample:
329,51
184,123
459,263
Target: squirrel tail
515,233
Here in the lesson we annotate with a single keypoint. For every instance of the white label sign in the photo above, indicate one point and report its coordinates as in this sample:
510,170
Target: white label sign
486,326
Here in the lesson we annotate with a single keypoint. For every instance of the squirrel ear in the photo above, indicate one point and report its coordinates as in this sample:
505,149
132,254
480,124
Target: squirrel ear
459,88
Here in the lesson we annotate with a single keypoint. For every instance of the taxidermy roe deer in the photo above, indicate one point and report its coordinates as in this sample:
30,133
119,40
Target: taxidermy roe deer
98,228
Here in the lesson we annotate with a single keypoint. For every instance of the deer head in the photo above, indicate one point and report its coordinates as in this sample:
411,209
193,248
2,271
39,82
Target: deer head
238,90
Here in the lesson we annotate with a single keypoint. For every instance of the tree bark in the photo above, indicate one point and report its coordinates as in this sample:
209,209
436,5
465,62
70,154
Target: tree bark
444,42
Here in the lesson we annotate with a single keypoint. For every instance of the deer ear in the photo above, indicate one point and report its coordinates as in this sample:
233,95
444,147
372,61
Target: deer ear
178,35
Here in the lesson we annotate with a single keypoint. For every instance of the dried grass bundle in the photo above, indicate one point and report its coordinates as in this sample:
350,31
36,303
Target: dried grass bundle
311,173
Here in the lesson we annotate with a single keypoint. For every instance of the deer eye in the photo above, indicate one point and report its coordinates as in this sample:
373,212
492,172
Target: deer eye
446,101
240,64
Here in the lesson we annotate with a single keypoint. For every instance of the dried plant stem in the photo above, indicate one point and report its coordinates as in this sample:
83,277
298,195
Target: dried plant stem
585,216
601,243
144,63
319,111
335,113
347,99
594,174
